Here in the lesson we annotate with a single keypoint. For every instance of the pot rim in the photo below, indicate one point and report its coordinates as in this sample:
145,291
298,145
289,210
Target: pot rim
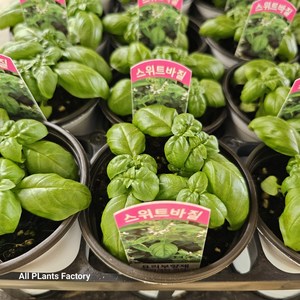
83,164
215,45
210,128
263,229
228,95
87,105
247,232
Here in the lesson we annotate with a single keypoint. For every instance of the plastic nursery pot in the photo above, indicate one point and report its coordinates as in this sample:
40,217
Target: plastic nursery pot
55,244
78,116
239,118
206,9
221,248
212,120
224,51
261,163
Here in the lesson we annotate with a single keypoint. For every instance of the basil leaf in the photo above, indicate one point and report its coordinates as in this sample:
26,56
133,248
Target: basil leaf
289,220
52,196
142,183
11,171
27,131
125,138
81,81
11,149
218,211
10,212
186,125
234,191
111,237
49,157
155,120
270,185
277,134
169,186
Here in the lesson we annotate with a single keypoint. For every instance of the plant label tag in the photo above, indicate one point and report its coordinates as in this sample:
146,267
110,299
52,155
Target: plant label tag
233,3
160,81
291,106
265,28
159,22
45,14
16,97
164,236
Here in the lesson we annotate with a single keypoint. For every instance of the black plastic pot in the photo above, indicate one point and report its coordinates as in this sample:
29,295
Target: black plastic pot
65,236
261,163
206,9
224,51
78,116
230,243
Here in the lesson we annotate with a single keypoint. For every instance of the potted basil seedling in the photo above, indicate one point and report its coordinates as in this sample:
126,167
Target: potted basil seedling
274,165
163,164
44,179
257,88
223,34
50,62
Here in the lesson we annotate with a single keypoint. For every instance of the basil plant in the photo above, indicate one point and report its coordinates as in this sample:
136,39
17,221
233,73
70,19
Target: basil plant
37,175
282,137
194,170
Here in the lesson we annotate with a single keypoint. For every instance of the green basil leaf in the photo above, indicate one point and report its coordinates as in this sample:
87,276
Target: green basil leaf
277,134
118,60
125,138
213,93
186,125
88,28
205,66
10,212
28,131
116,23
11,171
170,185
6,184
81,81
177,150
289,220
137,52
234,191
274,100
90,58
270,185
186,195
155,120
11,149
46,81
253,90
218,211
119,101
111,237
197,99
49,157
52,196
145,186
198,182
